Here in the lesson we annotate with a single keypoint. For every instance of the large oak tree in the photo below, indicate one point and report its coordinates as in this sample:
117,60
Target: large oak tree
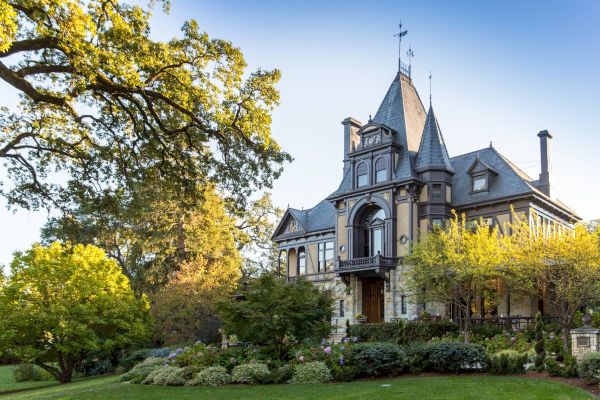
102,103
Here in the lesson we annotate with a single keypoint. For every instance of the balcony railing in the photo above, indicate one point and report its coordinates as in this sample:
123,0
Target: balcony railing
366,263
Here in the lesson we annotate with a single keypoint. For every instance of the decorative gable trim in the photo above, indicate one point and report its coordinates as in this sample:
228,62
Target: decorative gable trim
479,166
288,225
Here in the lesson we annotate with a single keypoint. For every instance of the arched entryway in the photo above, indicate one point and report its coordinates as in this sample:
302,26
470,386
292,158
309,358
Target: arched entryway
370,232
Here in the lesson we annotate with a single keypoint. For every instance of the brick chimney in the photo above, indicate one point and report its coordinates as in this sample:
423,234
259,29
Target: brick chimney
351,139
544,181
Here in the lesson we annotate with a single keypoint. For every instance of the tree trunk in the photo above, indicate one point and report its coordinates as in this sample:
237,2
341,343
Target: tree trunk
566,322
467,319
66,375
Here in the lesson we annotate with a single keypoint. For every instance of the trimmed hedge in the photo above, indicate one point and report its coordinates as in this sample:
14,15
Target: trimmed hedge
378,359
456,357
311,372
403,332
211,376
250,374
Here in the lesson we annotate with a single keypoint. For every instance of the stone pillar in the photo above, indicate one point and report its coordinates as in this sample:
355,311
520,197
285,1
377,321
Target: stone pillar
584,340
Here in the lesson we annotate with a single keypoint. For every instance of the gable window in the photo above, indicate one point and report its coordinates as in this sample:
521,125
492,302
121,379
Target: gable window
479,183
436,191
380,170
325,256
301,262
362,175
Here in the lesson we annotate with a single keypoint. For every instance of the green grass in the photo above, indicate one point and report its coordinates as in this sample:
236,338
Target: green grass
8,384
435,388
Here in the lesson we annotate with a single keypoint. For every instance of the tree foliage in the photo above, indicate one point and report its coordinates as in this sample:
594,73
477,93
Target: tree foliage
60,302
453,264
275,313
104,105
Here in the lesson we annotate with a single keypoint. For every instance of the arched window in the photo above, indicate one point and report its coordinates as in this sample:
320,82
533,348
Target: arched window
362,174
301,261
283,259
380,170
371,231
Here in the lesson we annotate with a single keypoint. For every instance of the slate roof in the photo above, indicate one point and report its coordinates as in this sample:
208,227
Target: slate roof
403,111
508,181
319,218
432,151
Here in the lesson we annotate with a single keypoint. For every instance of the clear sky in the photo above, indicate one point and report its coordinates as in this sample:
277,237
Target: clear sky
502,71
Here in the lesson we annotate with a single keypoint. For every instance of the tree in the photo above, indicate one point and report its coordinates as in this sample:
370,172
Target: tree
454,264
60,302
103,104
561,265
275,313
540,351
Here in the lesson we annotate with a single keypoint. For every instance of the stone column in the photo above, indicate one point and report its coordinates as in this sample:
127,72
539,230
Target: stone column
584,340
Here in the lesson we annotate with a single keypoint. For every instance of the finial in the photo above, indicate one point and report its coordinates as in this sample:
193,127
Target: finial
429,88
410,56
370,118
400,34
491,144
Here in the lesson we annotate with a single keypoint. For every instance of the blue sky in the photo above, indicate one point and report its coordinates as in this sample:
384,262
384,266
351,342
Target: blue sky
502,71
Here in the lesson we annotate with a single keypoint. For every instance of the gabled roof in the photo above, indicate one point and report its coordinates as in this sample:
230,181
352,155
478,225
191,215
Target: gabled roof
509,180
403,111
432,151
319,218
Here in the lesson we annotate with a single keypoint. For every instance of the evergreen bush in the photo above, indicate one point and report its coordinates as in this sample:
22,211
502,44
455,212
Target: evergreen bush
456,357
378,359
250,374
507,362
589,366
540,352
140,371
211,376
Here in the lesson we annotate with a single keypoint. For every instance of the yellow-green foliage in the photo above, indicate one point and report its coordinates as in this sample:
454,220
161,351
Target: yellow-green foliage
61,301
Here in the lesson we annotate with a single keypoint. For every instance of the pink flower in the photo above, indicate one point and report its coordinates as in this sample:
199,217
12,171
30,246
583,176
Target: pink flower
327,350
301,358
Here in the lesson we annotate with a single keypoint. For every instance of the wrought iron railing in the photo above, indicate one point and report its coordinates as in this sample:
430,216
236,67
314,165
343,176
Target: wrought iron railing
377,261
517,323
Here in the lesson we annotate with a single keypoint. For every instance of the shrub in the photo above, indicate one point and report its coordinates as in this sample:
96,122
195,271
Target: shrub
403,331
166,376
311,372
211,376
282,374
565,369
455,357
540,352
344,373
382,332
128,361
507,362
589,366
418,357
250,373
29,372
139,372
377,359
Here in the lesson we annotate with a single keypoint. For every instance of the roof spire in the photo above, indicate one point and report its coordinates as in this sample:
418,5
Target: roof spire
429,88
400,34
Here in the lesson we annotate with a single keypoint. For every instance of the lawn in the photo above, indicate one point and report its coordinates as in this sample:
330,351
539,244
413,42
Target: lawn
8,384
443,387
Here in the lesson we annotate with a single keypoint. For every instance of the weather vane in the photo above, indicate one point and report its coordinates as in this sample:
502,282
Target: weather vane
400,34
429,88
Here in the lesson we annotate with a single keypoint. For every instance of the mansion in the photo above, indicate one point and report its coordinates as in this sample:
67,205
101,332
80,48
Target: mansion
398,182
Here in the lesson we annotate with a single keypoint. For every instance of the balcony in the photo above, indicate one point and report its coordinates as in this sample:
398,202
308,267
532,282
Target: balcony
375,266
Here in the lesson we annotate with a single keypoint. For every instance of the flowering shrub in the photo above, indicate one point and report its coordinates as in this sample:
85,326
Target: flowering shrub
211,376
140,371
250,373
312,372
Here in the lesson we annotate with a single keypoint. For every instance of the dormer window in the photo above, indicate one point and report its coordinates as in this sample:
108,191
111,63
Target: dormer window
380,170
479,182
362,175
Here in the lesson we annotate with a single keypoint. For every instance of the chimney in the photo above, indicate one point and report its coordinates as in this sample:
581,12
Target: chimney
544,181
351,139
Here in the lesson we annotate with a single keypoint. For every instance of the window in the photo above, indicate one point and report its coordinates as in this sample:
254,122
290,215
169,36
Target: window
342,311
403,304
362,175
380,170
480,183
437,223
301,262
436,191
325,256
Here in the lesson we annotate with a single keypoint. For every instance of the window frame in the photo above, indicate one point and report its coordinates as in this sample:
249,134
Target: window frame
478,176
324,249
301,251
381,166
363,165
440,194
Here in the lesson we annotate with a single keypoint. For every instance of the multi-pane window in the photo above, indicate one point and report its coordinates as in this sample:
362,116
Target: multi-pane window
403,304
380,170
301,262
436,191
325,256
342,310
479,183
362,174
